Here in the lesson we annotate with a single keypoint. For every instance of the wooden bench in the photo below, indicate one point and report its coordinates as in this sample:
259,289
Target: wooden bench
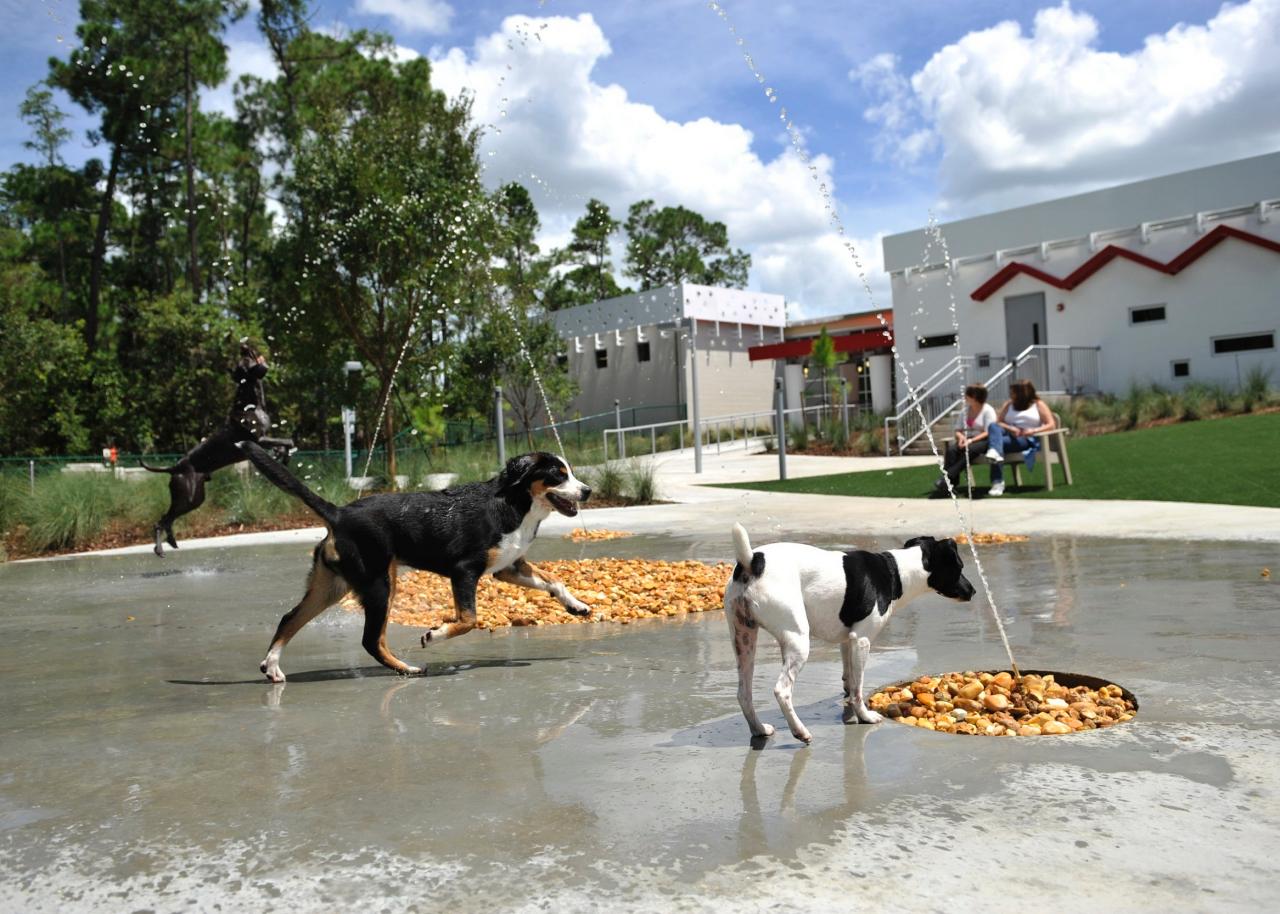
1053,450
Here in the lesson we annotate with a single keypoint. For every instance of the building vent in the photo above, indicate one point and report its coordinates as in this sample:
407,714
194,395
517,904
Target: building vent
602,358
1225,345
1146,314
642,351
1182,368
935,342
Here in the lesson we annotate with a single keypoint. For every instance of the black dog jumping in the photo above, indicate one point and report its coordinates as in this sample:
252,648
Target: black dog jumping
248,421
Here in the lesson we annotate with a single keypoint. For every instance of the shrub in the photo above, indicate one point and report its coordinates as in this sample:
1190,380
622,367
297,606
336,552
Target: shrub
246,498
68,509
798,436
606,480
1194,398
1256,389
641,481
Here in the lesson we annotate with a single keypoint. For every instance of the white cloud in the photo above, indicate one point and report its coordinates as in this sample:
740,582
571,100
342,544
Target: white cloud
583,139
429,16
245,56
1048,112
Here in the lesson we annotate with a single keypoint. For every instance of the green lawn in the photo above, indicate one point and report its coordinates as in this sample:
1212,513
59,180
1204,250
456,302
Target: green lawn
1233,461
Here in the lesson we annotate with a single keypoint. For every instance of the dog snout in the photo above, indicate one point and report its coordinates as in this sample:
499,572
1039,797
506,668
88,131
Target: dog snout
966,590
585,493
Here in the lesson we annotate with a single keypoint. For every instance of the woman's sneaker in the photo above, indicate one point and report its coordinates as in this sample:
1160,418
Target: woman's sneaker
994,456
997,489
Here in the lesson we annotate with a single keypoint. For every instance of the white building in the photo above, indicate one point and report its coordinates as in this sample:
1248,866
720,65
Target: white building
1170,280
651,351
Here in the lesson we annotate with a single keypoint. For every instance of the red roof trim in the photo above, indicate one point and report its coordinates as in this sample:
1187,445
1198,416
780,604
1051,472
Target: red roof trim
859,341
1111,252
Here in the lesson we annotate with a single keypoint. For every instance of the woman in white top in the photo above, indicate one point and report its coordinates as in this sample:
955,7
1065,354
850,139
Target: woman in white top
971,435
1023,416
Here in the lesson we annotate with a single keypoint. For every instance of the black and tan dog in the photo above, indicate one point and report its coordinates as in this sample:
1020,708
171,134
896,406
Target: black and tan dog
248,421
461,533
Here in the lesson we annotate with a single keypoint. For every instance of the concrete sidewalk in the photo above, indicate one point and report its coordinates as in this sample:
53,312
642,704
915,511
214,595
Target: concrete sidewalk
696,507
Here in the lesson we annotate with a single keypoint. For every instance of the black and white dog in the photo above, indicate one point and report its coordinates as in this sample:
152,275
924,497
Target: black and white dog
461,533
795,591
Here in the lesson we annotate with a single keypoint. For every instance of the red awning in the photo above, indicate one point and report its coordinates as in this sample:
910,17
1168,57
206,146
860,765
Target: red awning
860,341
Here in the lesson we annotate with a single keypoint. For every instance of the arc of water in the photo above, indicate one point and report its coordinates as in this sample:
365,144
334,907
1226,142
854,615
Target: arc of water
797,143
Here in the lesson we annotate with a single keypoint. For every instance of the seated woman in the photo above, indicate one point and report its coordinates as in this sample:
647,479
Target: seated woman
1022,416
971,436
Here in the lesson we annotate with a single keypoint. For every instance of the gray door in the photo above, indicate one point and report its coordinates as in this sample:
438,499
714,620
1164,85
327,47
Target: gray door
1024,326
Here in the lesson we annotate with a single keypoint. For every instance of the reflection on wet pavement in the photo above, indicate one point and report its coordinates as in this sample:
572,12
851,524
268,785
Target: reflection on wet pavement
143,758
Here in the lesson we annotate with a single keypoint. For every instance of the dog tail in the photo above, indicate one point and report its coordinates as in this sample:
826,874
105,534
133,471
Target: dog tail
147,466
282,478
750,565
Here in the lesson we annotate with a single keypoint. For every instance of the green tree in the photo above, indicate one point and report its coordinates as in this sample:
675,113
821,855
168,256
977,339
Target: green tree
674,244
591,278
823,357
45,120
389,181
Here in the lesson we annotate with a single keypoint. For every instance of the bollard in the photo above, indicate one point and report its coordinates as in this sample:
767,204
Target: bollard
844,408
781,429
617,423
31,467
502,431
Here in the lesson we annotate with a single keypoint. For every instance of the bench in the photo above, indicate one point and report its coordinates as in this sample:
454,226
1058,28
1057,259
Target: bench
1053,450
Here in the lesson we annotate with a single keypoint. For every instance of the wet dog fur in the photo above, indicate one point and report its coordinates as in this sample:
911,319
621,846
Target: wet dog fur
796,592
462,533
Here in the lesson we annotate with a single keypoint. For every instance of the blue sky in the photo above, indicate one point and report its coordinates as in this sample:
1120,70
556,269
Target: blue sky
958,107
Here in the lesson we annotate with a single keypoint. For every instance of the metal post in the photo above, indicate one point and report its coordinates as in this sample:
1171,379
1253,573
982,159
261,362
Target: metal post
348,427
693,393
653,439
844,408
617,424
502,428
31,467
778,420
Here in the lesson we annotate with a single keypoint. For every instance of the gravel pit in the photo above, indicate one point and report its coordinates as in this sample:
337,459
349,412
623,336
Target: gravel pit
1040,703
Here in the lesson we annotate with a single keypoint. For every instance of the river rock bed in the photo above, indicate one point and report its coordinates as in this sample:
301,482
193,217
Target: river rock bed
1000,704
617,590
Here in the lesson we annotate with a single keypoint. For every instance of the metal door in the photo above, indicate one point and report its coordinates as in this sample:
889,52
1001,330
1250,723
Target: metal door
1024,325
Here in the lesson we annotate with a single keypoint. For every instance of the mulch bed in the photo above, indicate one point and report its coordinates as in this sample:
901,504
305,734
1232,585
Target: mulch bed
617,590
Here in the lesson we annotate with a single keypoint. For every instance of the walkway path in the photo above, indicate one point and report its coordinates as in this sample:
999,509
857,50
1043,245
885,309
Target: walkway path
695,506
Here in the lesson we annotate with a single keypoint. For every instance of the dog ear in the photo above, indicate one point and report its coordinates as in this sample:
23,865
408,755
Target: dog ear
926,544
517,472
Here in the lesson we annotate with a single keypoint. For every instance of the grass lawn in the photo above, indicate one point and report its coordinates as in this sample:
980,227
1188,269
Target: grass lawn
1231,461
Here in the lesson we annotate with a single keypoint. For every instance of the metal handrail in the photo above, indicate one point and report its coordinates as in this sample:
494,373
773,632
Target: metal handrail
951,366
731,420
1008,368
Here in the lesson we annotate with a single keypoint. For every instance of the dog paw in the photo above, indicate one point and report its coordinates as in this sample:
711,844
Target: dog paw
867,716
429,635
803,735
577,607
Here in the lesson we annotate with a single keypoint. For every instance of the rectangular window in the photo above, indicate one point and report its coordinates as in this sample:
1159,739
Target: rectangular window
1146,314
1182,368
984,359
934,342
642,351
602,358
1225,345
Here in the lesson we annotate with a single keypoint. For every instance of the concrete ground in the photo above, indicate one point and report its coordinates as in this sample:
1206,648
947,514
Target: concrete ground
145,766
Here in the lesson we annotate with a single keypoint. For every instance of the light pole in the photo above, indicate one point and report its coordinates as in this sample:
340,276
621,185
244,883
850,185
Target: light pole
350,369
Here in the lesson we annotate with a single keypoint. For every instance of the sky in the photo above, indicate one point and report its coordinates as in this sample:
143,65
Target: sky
897,110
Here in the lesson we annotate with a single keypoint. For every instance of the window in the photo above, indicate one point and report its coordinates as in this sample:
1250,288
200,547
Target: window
1182,368
642,351
934,342
1225,345
602,358
562,360
984,359
1146,314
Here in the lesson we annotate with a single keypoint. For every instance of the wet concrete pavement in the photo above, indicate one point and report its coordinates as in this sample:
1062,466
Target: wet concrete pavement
145,766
